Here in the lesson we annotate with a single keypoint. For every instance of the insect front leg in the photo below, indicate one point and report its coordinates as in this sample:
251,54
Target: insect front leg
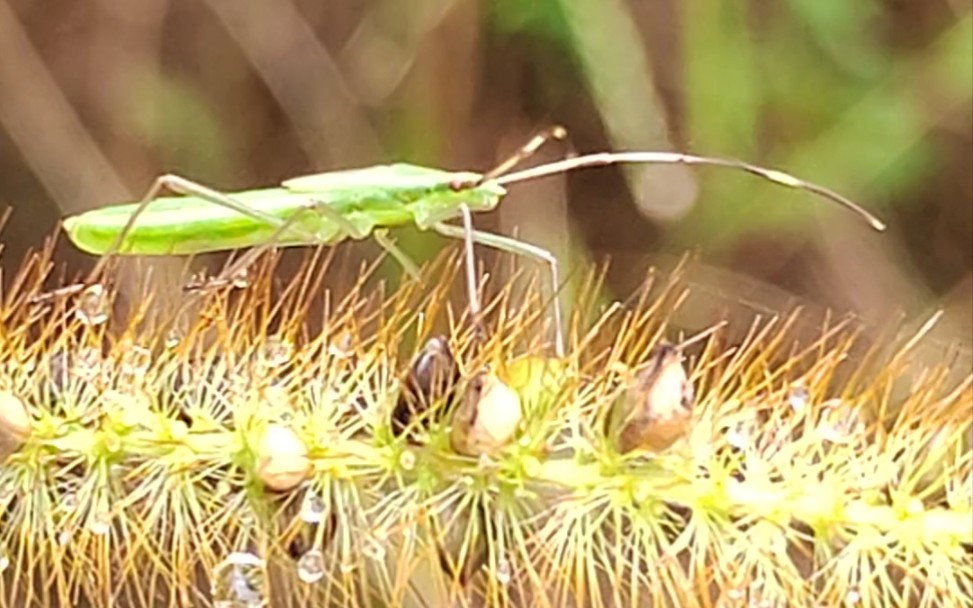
511,245
381,237
473,294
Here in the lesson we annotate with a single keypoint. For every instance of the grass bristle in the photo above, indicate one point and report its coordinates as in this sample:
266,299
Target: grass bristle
243,447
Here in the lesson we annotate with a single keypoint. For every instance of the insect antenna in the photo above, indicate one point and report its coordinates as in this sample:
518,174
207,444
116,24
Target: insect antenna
601,159
524,152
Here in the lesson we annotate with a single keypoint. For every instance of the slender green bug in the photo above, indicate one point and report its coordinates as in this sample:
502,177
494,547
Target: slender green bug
327,208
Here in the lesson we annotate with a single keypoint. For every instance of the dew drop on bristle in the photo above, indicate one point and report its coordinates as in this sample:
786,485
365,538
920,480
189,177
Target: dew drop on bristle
59,373
136,360
373,548
241,279
277,352
310,567
798,397
69,502
4,558
172,339
407,460
7,493
853,597
342,347
738,437
87,364
100,524
839,423
313,508
238,582
503,572
246,517
223,488
93,306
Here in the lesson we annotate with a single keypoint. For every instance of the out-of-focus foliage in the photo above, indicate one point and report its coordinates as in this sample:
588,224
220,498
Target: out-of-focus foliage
871,98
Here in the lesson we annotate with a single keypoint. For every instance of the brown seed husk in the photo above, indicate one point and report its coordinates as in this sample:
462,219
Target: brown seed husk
15,424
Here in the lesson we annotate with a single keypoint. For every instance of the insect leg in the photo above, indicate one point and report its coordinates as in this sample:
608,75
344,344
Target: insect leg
511,245
179,185
473,294
244,262
381,237
312,206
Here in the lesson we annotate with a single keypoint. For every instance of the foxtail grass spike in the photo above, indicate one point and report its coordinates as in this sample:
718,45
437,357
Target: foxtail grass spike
296,442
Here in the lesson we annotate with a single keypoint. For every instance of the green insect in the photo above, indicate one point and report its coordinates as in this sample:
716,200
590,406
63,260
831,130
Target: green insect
327,208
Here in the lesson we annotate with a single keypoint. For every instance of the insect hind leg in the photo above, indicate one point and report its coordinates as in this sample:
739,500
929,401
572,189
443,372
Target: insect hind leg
178,185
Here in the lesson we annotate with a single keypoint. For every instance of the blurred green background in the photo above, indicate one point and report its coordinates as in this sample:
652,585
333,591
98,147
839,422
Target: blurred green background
869,97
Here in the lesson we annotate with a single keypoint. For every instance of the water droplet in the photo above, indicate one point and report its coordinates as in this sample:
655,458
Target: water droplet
246,517
914,506
69,502
240,279
373,548
7,493
87,364
503,573
4,558
238,581
93,305
100,523
277,351
173,338
839,423
738,437
64,537
798,397
313,508
135,361
341,348
407,460
853,597
310,568
346,567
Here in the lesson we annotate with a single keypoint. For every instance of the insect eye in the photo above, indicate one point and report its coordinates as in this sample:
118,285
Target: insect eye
458,185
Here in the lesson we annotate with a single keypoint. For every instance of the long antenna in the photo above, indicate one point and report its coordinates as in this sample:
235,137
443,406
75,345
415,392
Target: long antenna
602,159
